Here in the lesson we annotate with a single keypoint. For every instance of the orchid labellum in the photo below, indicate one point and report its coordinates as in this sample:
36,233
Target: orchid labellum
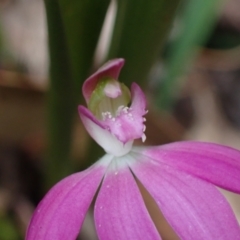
181,177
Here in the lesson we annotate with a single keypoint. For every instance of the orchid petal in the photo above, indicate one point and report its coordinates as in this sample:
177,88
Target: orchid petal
194,208
120,212
111,69
61,213
139,102
101,135
214,163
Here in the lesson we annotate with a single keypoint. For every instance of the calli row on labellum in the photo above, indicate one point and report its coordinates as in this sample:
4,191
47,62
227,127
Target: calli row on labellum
181,177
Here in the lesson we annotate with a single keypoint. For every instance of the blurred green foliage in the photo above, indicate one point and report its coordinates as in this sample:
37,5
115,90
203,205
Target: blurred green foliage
139,35
196,20
8,230
73,28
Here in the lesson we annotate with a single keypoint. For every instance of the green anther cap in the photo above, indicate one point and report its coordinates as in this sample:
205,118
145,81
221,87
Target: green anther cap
108,96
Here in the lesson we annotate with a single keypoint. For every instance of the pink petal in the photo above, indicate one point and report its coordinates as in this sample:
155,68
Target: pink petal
61,213
194,208
139,102
111,69
214,163
120,212
129,124
99,132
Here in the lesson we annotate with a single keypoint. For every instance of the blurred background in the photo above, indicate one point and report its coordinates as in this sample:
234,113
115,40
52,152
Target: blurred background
184,53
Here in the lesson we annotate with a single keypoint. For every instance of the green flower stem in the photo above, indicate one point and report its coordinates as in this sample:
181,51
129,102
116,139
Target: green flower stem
60,99
73,29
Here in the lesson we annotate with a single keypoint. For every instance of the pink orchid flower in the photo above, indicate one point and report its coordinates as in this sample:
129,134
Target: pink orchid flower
181,177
